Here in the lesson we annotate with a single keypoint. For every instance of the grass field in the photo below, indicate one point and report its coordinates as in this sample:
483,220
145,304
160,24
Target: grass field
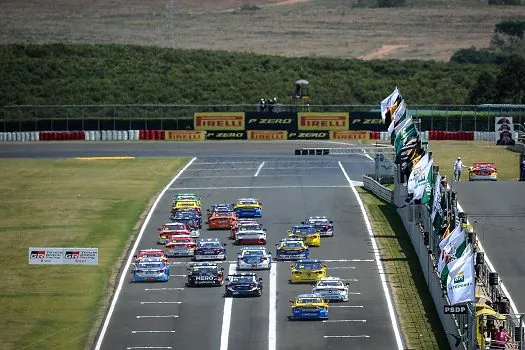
433,30
446,152
61,203
417,316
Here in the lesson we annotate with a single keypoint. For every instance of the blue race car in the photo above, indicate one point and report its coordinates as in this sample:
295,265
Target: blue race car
210,249
151,270
248,208
220,207
308,307
243,284
292,249
191,215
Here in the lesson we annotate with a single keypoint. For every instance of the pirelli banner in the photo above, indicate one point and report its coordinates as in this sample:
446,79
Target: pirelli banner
185,135
219,121
308,121
271,121
349,135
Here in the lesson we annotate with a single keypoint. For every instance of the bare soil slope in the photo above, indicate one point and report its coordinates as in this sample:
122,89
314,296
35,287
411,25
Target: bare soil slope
422,30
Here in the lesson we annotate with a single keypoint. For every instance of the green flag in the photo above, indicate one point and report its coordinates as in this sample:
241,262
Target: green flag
427,194
404,135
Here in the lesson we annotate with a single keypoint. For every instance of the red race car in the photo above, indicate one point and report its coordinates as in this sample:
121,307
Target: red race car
221,220
180,245
482,171
172,229
150,253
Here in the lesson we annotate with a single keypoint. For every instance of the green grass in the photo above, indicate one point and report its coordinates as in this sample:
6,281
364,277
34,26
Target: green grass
61,203
417,316
446,152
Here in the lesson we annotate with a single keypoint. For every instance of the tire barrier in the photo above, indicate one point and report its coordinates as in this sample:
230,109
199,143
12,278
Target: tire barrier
24,136
312,152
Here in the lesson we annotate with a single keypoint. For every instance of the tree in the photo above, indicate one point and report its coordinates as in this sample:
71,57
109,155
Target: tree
484,91
510,83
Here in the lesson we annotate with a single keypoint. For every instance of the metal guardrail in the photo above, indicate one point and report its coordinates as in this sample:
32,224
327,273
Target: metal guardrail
379,190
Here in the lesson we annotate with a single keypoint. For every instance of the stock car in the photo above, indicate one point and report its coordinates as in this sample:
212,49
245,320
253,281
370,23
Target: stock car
221,220
248,208
254,258
482,171
221,207
307,271
308,307
210,249
186,204
250,224
172,229
309,233
186,197
205,274
188,219
291,249
331,289
250,237
187,213
150,253
180,245
243,284
322,224
151,269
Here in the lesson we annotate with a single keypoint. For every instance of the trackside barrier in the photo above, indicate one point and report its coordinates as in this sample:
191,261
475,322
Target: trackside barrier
26,136
379,190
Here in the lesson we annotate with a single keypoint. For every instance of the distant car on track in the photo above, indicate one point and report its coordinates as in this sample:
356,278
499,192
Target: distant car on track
331,289
322,224
254,258
205,274
243,284
250,237
189,219
482,171
307,271
221,220
309,233
168,230
308,307
247,224
150,253
180,245
291,249
151,270
248,208
210,249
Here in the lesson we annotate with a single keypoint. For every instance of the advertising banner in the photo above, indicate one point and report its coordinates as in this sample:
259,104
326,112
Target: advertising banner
323,121
310,135
270,121
62,256
184,135
227,121
225,135
267,135
349,135
367,121
504,131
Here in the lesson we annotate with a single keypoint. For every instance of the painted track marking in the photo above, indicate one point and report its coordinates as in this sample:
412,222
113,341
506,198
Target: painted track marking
347,306
272,322
132,251
336,321
148,347
135,332
347,336
258,170
156,289
393,319
160,302
227,316
158,316
253,187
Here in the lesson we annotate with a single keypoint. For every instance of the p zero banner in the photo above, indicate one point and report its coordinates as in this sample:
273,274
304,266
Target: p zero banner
349,135
223,121
323,121
184,135
367,121
62,256
225,135
267,135
308,135
270,121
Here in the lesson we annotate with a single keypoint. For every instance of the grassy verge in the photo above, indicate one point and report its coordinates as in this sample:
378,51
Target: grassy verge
419,322
67,203
446,152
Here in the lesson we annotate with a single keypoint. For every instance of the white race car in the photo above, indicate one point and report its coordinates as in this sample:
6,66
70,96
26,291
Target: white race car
250,237
323,224
331,289
254,258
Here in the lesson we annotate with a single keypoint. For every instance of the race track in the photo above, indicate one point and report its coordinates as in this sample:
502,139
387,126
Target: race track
171,316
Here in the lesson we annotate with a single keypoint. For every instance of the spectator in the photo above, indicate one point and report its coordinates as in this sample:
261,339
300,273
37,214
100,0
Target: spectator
458,164
501,338
522,178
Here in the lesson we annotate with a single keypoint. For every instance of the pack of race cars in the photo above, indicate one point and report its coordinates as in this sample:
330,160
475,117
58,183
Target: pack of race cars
182,238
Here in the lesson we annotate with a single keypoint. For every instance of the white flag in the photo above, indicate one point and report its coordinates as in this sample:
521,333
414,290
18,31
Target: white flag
461,280
405,123
416,171
388,102
436,204
422,181
457,231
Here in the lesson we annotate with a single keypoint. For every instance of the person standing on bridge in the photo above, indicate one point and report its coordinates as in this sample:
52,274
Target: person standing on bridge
458,164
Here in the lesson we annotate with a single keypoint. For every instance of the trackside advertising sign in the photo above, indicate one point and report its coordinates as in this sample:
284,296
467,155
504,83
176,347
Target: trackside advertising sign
310,135
349,135
270,121
367,121
323,121
63,256
267,135
225,135
223,121
184,135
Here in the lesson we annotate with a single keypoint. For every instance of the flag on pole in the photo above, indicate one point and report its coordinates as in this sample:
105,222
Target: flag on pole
436,200
422,181
429,186
445,239
403,136
398,116
453,250
416,172
461,280
388,102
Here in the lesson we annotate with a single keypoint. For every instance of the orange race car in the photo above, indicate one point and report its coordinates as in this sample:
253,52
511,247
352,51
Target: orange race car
150,253
222,220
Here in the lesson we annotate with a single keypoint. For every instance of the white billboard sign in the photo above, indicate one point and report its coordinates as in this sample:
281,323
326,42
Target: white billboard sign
504,131
62,256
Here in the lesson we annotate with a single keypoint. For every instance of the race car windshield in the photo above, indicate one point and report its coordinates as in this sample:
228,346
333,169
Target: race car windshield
292,245
249,227
318,221
330,284
309,300
253,253
241,278
205,270
211,245
151,266
174,227
247,201
303,230
308,266
150,255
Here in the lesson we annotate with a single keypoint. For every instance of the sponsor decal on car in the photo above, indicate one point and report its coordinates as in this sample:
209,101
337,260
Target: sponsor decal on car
323,121
184,135
219,121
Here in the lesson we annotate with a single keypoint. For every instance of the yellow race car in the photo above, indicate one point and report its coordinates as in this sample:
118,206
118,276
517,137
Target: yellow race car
308,233
307,271
186,204
308,307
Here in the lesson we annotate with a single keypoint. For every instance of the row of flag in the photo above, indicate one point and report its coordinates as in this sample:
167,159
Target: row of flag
456,259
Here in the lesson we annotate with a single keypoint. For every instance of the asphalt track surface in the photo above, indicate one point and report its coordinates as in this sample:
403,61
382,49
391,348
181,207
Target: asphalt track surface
499,208
171,316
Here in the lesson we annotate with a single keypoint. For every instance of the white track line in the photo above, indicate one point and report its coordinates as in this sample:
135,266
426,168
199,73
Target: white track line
393,319
148,347
158,316
272,323
347,336
156,289
132,251
258,170
337,321
270,168
341,268
348,260
227,316
160,302
135,332
251,187
244,176
347,306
